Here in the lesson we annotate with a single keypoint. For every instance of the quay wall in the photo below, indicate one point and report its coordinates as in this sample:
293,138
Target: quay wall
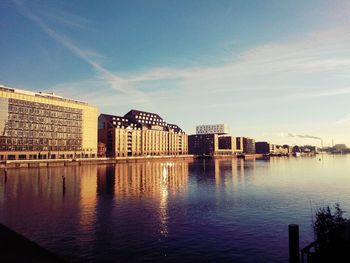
86,161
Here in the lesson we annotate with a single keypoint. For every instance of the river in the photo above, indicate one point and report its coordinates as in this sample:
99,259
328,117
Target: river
173,211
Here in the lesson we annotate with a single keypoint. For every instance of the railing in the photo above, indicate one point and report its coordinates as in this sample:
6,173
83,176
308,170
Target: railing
307,252
337,251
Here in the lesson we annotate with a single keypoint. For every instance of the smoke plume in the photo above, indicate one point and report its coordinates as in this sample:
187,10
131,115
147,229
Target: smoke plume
304,136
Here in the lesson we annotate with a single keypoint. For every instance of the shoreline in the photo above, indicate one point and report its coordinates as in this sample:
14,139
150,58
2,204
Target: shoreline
13,164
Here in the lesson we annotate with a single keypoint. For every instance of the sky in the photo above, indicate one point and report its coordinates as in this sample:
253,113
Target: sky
271,70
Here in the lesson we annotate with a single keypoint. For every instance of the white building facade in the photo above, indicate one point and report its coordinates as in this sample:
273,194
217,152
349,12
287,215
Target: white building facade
212,129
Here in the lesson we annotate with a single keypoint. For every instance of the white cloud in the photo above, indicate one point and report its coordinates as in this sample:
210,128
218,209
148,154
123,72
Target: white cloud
269,67
270,74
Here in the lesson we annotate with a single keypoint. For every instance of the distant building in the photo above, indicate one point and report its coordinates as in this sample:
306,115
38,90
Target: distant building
239,144
246,145
336,149
214,145
273,149
280,150
288,148
227,143
203,144
45,126
262,148
227,146
211,140
340,147
296,149
140,133
309,149
212,129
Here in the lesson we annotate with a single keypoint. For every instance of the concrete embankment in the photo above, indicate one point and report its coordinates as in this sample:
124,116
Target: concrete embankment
86,161
16,248
246,156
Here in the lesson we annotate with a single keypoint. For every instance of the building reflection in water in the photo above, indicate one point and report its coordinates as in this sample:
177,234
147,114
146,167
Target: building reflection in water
227,173
235,172
88,198
2,190
40,206
105,180
101,203
150,179
153,180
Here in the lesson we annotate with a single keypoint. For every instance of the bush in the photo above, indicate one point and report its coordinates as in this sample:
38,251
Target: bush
329,227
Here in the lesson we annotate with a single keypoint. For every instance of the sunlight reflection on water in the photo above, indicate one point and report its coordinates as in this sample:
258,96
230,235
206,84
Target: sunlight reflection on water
220,210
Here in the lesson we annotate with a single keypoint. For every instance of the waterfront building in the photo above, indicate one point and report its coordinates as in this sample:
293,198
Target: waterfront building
308,149
212,140
280,150
228,146
45,126
216,145
212,129
336,149
296,149
340,147
288,148
206,140
246,145
203,144
140,133
239,144
227,143
273,149
267,148
262,148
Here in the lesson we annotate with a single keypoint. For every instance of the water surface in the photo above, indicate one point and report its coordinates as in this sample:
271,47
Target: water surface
208,211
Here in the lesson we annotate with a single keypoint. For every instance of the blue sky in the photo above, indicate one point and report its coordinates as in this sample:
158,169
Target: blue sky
266,68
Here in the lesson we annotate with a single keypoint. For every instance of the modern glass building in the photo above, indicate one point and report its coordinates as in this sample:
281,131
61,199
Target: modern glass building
203,144
45,126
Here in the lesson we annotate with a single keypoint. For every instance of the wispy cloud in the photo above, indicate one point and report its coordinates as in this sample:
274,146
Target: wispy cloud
345,119
310,67
284,66
298,67
335,92
63,17
319,93
115,82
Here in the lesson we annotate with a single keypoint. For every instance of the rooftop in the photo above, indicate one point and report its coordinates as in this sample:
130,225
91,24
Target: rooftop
138,118
48,95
